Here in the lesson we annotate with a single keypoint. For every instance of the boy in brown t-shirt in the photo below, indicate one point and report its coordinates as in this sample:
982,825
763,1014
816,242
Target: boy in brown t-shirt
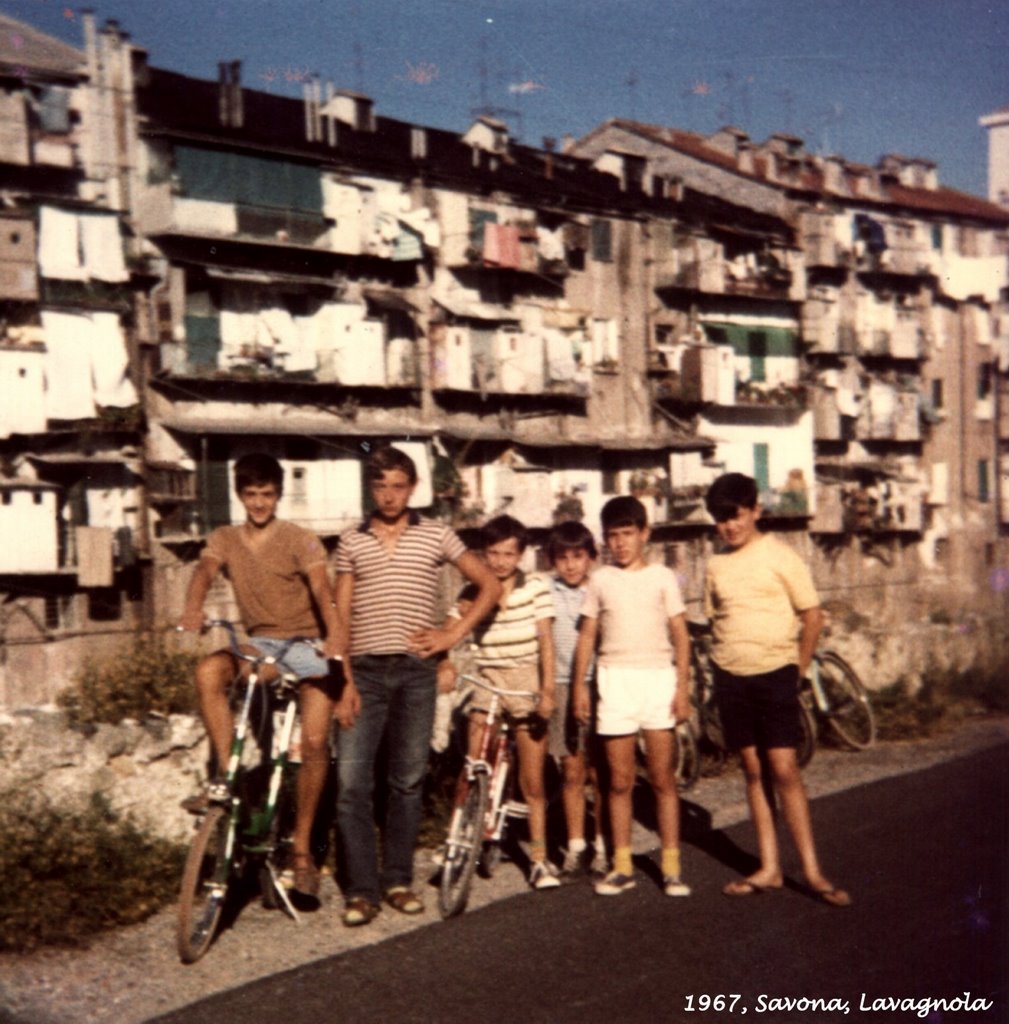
281,582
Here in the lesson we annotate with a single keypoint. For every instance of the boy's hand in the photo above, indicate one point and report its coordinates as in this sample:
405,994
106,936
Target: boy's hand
681,705
547,704
581,707
426,643
332,648
347,708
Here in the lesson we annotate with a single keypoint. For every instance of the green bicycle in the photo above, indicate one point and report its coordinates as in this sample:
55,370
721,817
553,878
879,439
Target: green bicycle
243,836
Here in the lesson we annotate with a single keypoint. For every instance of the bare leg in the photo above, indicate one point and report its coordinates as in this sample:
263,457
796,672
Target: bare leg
620,758
769,873
532,759
573,795
795,809
316,722
660,745
214,675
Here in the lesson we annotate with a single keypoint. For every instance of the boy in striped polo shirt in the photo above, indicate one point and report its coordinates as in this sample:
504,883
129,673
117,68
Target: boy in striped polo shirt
515,651
386,585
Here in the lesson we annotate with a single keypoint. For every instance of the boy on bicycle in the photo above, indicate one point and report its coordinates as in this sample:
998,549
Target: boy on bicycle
571,549
281,584
636,612
515,651
766,618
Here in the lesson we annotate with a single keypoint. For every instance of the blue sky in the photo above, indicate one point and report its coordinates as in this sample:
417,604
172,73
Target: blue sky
858,77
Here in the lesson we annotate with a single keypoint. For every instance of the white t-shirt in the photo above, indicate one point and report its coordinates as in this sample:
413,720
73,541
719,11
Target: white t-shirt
634,607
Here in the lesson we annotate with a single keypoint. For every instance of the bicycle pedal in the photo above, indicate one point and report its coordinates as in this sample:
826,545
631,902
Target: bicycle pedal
516,809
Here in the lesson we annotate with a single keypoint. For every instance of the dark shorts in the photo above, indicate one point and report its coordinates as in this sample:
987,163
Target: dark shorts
759,711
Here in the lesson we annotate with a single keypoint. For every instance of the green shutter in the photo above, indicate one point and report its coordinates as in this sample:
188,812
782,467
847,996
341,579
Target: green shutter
770,341
203,342
762,467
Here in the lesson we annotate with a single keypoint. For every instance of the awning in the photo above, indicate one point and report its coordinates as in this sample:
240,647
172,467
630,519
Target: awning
565,319
328,426
390,300
79,459
262,276
754,339
474,310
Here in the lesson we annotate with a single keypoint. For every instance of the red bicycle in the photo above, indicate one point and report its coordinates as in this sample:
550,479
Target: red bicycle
483,804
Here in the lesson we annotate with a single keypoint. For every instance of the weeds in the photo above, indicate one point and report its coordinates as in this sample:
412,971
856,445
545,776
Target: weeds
944,696
66,875
146,677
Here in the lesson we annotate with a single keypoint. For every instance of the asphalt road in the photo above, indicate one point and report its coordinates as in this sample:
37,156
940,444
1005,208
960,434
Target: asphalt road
924,855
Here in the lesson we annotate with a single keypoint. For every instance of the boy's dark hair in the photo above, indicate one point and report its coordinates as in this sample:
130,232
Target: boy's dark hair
386,458
257,470
623,511
504,528
570,536
729,493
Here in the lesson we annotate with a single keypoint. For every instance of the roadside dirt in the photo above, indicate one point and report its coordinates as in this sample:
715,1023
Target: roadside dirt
132,975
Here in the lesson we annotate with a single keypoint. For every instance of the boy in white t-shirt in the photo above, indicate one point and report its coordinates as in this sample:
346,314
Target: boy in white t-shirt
636,612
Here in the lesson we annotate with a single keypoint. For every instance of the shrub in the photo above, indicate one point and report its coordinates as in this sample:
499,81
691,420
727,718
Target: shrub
65,875
144,678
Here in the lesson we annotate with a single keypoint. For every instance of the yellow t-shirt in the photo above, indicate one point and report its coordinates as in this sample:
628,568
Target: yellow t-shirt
752,595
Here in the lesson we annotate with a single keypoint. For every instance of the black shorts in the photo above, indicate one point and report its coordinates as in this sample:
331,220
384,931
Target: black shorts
759,711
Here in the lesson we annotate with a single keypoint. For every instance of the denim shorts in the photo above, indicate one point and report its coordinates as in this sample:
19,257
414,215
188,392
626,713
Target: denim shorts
299,659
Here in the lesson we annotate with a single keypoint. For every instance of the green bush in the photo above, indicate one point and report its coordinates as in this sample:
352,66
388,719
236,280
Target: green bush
146,677
66,875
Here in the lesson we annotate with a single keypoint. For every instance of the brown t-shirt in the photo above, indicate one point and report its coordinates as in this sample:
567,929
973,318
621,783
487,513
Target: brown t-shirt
270,583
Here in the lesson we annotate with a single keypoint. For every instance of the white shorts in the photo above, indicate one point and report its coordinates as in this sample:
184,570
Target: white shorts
634,698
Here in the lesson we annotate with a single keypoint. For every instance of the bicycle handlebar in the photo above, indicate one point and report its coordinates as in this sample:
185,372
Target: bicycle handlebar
496,689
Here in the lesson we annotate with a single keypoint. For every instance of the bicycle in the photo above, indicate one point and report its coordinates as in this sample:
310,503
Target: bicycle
703,698
837,696
482,805
241,834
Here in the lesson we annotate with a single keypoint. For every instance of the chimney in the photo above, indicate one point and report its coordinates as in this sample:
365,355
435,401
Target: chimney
229,94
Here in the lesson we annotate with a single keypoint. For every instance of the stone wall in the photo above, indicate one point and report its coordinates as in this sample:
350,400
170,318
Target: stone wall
146,769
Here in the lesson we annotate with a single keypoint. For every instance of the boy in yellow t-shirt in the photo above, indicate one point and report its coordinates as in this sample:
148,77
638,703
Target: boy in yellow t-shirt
766,619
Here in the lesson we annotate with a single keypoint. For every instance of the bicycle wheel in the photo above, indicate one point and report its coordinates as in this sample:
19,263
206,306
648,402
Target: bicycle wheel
850,714
704,701
204,886
688,757
462,849
807,743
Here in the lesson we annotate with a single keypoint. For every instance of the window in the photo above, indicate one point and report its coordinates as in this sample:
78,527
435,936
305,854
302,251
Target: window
984,381
602,241
105,604
938,400
983,489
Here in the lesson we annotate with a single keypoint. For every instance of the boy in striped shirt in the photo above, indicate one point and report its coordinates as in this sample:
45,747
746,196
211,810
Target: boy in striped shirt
515,651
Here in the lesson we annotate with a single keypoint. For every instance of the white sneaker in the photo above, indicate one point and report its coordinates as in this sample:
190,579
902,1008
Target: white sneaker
543,875
674,887
614,884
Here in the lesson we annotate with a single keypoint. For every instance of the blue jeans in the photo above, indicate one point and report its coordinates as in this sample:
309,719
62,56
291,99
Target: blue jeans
397,701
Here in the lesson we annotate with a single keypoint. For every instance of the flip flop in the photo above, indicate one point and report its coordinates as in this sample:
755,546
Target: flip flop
833,897
747,888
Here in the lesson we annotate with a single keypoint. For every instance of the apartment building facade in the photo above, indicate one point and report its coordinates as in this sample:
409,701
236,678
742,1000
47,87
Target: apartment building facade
539,329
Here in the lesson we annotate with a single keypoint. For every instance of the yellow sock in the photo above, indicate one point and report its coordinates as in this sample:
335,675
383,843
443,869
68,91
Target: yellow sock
622,861
670,862
538,850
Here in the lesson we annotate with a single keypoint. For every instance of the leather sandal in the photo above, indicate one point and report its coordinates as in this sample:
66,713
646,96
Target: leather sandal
400,898
359,911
